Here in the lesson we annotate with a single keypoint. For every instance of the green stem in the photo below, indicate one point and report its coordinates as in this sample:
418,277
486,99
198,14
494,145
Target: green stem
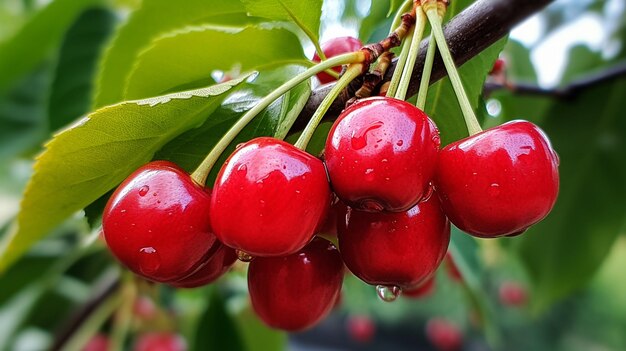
406,7
407,70
471,121
428,67
124,314
352,72
397,74
201,173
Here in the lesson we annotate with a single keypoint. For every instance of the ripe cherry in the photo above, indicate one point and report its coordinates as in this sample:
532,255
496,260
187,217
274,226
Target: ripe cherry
157,224
336,212
269,198
444,335
498,182
335,47
295,292
425,289
395,249
512,294
160,342
98,342
381,154
361,329
214,267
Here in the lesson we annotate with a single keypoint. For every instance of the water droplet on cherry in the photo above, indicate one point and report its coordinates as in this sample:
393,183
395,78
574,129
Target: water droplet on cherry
388,293
494,189
144,190
242,168
400,142
359,138
149,260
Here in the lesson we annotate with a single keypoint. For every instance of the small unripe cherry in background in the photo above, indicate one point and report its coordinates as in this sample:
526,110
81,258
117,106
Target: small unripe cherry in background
512,294
162,341
269,198
444,335
98,342
381,154
295,292
334,47
361,328
144,308
500,181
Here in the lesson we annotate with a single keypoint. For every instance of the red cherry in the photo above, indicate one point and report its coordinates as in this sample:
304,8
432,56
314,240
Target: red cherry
336,211
361,328
335,47
98,342
423,290
395,249
269,198
498,67
500,181
160,342
452,269
295,292
157,224
144,308
217,264
512,294
381,154
444,335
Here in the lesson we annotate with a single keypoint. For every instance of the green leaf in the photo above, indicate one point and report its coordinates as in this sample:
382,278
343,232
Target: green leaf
217,330
305,14
188,56
154,18
257,336
70,97
91,157
564,251
33,42
189,149
442,105
376,19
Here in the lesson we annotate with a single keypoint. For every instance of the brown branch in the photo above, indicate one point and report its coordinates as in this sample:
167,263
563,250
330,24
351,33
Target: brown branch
467,34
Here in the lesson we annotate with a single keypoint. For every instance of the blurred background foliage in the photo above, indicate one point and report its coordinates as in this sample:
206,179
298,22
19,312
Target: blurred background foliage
60,59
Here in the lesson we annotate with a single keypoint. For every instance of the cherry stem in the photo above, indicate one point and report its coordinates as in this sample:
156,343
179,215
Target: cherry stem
397,74
397,19
473,127
124,315
202,172
428,67
353,71
407,70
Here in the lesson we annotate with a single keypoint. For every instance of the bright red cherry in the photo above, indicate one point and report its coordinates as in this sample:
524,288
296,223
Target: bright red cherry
269,198
157,224
295,292
336,211
395,249
214,267
335,47
500,181
425,289
444,335
381,154
160,342
498,67
512,294
361,328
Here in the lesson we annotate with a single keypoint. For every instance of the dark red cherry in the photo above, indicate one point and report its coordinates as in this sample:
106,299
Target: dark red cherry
157,224
335,47
269,198
444,335
381,154
512,294
395,249
500,181
214,267
336,211
295,292
162,341
425,289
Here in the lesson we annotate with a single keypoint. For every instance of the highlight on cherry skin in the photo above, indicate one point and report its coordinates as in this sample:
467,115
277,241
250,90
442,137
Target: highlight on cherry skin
381,154
500,181
156,223
395,250
295,292
269,198
334,47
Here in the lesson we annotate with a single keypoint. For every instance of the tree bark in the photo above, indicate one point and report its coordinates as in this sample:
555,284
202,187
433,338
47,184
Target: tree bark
467,34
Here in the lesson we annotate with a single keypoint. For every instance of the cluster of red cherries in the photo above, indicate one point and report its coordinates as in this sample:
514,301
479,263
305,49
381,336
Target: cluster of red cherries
384,186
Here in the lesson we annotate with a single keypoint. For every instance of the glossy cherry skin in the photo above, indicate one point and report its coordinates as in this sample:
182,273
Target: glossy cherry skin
269,198
335,47
295,292
156,223
395,249
498,182
160,342
214,267
381,154
426,288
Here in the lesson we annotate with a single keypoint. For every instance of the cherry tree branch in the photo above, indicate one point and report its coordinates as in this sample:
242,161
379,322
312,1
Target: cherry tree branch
467,34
